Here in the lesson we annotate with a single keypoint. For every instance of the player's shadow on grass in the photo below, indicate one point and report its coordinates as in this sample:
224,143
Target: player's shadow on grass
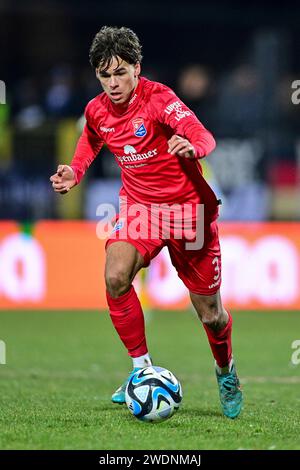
113,407
189,412
199,412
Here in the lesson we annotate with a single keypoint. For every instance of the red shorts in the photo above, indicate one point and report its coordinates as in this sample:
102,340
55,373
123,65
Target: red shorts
198,267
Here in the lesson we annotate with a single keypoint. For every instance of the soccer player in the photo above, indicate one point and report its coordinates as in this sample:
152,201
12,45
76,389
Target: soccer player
158,142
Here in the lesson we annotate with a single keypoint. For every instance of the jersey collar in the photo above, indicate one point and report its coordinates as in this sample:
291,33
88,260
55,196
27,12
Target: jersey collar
132,103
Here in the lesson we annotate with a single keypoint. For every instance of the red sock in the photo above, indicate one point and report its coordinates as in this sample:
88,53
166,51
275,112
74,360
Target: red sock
128,319
220,343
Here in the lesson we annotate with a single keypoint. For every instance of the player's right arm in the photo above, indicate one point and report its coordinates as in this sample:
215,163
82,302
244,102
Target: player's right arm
63,180
88,147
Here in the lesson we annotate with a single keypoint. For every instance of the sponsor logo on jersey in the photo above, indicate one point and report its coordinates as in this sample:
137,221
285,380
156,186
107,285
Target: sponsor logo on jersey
177,108
107,129
129,149
139,127
131,155
215,284
133,98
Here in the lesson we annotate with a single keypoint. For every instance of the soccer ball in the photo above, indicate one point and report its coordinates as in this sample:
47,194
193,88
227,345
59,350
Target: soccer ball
153,394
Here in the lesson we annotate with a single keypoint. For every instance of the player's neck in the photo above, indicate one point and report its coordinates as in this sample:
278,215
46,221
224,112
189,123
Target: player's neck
124,106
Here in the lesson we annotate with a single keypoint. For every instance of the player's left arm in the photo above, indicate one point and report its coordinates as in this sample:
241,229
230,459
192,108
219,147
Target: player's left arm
182,147
191,139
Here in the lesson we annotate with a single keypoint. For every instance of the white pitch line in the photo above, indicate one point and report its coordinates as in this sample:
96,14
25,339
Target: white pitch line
273,380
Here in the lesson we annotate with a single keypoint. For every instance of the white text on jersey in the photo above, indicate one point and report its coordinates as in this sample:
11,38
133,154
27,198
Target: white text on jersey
107,129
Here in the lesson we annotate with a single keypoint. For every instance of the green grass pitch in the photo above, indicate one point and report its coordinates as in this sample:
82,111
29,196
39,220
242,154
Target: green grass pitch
63,366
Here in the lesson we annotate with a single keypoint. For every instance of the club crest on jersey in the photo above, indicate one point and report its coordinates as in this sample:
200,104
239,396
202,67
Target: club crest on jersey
139,127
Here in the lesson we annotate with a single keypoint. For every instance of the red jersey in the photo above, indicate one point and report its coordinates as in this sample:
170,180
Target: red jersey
138,137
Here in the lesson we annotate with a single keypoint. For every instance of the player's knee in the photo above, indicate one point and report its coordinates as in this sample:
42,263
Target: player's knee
212,317
117,282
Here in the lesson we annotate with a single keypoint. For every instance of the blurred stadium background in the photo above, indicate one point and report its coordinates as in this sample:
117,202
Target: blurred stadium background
234,65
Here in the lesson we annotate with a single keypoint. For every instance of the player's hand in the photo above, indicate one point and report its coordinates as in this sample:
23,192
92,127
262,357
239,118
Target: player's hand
63,180
181,147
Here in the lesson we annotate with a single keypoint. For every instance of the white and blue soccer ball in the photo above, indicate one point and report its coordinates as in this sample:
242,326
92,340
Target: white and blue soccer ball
153,394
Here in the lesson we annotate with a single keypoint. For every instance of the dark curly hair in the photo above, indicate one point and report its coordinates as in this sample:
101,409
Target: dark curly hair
111,42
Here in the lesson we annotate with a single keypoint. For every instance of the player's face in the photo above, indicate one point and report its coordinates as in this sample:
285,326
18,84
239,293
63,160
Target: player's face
119,80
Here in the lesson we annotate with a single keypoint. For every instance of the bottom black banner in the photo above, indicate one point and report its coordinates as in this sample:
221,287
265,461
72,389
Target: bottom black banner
139,458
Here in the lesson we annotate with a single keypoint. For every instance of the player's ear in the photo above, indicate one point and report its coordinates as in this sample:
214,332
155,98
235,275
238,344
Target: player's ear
97,73
137,69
